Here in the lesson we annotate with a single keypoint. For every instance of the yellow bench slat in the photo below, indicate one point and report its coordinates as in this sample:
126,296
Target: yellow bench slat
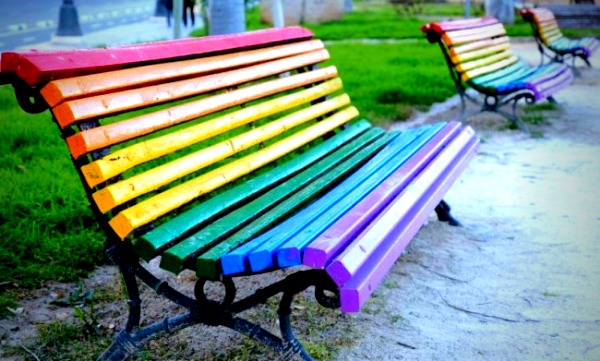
488,69
492,49
76,110
477,45
140,184
119,161
482,62
110,134
64,89
147,211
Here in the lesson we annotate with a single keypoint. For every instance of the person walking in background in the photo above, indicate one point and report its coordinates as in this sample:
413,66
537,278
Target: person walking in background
188,5
168,4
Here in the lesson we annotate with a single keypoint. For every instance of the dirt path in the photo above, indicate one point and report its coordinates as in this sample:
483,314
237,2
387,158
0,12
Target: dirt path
521,279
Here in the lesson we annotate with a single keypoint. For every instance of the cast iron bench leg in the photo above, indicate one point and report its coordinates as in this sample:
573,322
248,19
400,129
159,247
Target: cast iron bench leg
443,213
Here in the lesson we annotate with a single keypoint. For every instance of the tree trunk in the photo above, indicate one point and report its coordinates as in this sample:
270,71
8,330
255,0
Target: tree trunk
503,10
226,17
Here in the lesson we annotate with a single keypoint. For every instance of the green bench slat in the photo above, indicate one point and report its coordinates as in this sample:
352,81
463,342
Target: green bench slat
149,245
289,252
237,261
306,226
332,166
207,264
512,71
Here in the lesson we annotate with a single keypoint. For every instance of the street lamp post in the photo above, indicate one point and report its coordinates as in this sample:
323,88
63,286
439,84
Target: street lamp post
68,20
68,32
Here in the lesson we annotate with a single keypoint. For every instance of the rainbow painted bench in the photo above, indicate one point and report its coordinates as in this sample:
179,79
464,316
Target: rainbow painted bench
552,44
233,156
479,56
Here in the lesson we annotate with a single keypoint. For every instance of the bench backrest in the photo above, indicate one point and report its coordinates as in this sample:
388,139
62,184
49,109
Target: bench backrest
473,47
544,23
154,128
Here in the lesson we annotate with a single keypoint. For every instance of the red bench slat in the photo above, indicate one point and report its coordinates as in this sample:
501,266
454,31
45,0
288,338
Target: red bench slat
36,67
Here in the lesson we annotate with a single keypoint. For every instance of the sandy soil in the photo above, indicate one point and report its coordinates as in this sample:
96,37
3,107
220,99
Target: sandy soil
520,280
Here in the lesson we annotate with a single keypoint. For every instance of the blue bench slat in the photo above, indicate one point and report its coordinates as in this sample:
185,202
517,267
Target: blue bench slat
327,245
207,266
547,88
492,80
332,206
527,78
168,233
404,223
236,261
290,252
347,263
183,253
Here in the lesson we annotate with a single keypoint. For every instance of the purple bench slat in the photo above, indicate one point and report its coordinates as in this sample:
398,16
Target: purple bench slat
357,290
347,264
319,252
548,88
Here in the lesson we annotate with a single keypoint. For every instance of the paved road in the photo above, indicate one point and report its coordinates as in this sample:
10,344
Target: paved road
35,21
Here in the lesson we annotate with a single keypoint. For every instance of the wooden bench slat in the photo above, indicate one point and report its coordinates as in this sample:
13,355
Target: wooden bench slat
469,35
111,134
150,244
208,265
549,87
102,105
356,292
259,254
483,62
473,73
150,180
347,264
121,160
460,24
456,51
148,210
60,90
271,207
320,251
513,71
492,49
531,79
290,251
36,67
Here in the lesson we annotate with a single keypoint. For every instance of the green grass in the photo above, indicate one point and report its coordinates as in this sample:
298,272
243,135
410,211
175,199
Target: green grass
46,231
382,88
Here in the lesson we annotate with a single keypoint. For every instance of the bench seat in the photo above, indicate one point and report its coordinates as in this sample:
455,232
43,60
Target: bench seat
552,43
479,56
234,156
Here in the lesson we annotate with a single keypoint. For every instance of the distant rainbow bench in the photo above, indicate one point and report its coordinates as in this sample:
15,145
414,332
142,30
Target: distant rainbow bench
236,155
552,43
479,56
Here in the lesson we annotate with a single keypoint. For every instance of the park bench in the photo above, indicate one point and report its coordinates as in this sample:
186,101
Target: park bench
478,54
233,156
552,44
